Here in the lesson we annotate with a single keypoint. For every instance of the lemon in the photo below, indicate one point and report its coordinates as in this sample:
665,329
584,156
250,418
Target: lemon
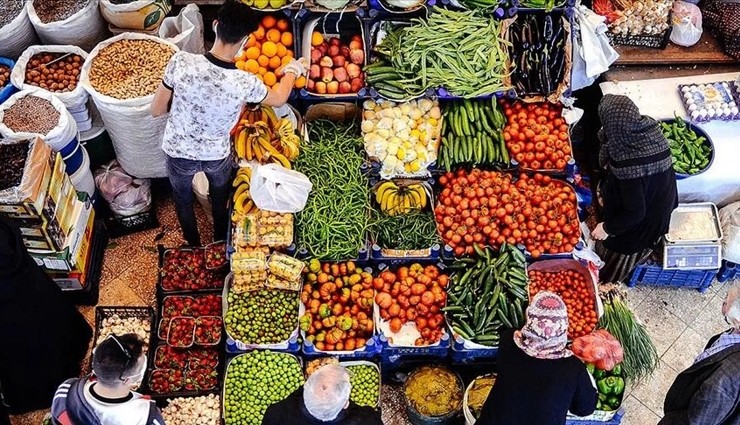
276,4
261,4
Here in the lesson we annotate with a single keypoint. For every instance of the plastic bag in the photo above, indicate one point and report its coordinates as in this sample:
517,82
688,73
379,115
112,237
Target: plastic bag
592,52
58,137
86,28
729,218
126,195
136,135
185,30
200,188
687,27
136,15
274,188
17,35
599,348
73,100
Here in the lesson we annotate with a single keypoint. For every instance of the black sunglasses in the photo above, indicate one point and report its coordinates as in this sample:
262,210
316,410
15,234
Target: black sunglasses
126,352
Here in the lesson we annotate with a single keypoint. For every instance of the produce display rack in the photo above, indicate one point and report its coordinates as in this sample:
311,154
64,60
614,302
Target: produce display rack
460,354
89,294
654,275
294,347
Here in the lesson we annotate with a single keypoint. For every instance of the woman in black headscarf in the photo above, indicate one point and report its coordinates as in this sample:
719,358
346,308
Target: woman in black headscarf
639,191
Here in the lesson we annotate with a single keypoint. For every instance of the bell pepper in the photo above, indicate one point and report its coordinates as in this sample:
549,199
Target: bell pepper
603,386
617,385
617,371
591,368
613,402
598,373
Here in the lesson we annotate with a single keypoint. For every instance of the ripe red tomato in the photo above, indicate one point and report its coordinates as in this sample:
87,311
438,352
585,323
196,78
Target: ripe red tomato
532,128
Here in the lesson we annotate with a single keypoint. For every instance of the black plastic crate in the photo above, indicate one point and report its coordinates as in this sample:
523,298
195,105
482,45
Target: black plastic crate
220,370
104,312
659,41
161,292
122,226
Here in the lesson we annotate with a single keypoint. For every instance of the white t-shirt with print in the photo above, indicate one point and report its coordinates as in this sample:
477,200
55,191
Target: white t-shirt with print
132,412
208,96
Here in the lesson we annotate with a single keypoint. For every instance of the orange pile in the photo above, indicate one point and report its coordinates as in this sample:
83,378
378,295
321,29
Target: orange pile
267,50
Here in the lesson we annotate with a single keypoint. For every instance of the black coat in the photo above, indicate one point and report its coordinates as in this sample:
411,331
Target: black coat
292,411
43,336
637,211
531,391
707,393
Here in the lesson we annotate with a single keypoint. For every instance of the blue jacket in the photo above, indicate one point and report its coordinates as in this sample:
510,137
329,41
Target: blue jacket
70,407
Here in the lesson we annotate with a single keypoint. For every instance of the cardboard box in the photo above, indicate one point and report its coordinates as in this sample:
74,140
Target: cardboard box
76,279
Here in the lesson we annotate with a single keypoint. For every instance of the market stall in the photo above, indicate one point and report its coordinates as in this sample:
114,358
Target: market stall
661,99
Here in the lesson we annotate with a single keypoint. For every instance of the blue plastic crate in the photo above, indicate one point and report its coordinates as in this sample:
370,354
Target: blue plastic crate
371,350
390,354
294,347
460,354
655,275
9,89
729,270
616,420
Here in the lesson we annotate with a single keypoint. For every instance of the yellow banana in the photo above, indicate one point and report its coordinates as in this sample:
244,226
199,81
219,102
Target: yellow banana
240,202
239,190
239,143
383,188
269,114
414,199
406,206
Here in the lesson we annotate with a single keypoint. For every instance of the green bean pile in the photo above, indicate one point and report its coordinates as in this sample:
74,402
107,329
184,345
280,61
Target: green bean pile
332,225
464,52
415,230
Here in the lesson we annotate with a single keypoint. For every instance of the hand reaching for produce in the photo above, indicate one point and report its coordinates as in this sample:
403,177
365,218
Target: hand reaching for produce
599,233
297,67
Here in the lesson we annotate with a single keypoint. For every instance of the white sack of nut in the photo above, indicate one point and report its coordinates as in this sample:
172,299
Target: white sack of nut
54,69
28,114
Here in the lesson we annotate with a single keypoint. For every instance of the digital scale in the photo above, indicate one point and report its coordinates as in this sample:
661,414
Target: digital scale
700,250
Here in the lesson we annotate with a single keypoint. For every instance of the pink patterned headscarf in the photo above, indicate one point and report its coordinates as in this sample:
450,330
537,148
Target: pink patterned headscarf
545,334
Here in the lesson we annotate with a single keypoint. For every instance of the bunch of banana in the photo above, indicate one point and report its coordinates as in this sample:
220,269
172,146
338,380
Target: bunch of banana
260,135
242,200
394,199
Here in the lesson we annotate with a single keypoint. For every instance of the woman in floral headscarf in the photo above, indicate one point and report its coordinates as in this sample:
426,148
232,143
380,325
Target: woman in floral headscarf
539,380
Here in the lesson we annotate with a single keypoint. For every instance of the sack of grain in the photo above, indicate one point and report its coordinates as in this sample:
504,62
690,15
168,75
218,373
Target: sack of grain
136,14
16,31
124,104
74,100
66,25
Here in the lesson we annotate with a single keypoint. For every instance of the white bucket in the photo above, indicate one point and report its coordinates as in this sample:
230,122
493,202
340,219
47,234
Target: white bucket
82,179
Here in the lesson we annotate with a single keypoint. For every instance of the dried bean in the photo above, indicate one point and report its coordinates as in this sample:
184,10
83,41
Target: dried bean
57,10
129,69
31,114
4,75
9,9
59,77
13,157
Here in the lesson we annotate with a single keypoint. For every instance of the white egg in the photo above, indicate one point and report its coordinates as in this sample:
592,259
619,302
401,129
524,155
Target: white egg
695,115
692,107
734,110
684,89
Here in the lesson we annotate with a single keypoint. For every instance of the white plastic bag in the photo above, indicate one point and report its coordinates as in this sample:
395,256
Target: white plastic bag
687,27
185,30
200,188
136,135
58,137
729,218
85,29
73,100
126,195
17,35
274,188
592,52
136,15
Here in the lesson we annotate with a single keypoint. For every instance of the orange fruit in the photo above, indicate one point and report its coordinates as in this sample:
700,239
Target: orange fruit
260,34
241,56
252,53
286,60
283,24
281,50
270,78
259,77
316,38
287,39
273,35
300,82
251,40
240,65
275,62
263,60
262,70
269,49
252,66
268,21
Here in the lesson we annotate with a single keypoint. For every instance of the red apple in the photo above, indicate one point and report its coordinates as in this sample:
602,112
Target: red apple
340,74
345,87
310,85
315,55
355,45
344,50
326,74
357,56
322,48
339,61
332,87
334,41
320,87
333,50
326,62
356,85
315,72
353,70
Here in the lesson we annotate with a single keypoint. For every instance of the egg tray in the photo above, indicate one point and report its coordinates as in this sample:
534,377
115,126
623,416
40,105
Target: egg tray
696,109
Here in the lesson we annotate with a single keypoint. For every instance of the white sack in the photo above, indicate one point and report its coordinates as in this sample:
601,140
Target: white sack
17,35
58,137
185,30
86,28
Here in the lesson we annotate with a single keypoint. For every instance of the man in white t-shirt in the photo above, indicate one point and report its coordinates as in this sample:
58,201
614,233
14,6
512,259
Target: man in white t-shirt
205,95
107,397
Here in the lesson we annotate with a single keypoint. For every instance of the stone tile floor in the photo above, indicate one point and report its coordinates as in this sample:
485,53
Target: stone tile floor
679,321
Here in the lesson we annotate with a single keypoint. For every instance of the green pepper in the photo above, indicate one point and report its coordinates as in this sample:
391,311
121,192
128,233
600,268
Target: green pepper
613,402
599,406
590,368
617,371
603,397
603,387
598,374
617,385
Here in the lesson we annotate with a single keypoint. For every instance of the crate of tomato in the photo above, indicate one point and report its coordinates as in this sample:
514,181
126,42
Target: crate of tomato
408,310
479,208
338,317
